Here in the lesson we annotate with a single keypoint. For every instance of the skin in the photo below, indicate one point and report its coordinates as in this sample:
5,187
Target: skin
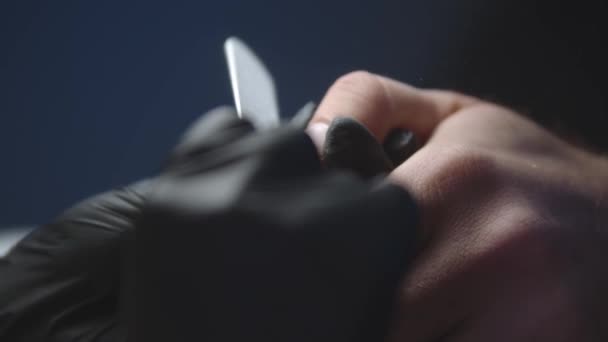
514,220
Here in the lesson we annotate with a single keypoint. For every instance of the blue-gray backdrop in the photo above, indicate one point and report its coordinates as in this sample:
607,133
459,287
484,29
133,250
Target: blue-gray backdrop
94,93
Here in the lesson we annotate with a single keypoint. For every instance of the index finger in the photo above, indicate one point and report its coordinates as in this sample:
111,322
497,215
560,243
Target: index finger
382,105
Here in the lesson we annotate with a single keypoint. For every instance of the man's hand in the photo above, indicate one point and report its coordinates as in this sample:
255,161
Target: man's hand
515,220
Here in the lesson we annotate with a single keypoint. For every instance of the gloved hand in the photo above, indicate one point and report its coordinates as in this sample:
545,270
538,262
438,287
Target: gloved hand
243,235
269,246
62,282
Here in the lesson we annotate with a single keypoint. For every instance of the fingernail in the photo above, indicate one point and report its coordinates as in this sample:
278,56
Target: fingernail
317,132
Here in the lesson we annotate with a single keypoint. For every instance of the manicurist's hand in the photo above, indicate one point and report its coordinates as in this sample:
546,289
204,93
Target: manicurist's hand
514,220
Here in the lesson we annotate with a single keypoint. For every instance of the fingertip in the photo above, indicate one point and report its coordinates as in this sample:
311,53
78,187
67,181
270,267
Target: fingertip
361,96
211,121
317,132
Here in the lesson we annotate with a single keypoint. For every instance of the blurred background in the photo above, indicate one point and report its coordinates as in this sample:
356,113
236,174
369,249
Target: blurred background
93,94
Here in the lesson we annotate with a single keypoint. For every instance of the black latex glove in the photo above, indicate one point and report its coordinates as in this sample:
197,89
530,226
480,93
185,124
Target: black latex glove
350,146
67,280
266,245
244,236
63,281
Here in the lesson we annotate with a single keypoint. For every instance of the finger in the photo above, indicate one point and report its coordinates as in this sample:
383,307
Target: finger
382,105
303,116
71,265
350,146
399,146
216,128
204,131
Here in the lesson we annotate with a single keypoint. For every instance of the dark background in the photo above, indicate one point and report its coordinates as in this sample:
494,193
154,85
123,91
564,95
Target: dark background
94,93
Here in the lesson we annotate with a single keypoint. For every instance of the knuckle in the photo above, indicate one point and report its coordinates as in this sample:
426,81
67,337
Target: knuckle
525,240
471,162
451,173
464,166
354,79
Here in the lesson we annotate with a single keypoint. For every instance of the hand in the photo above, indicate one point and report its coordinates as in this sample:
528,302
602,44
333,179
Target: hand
515,220
268,246
71,279
242,237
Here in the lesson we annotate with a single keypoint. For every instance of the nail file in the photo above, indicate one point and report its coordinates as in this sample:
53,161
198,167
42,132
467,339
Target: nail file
252,86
